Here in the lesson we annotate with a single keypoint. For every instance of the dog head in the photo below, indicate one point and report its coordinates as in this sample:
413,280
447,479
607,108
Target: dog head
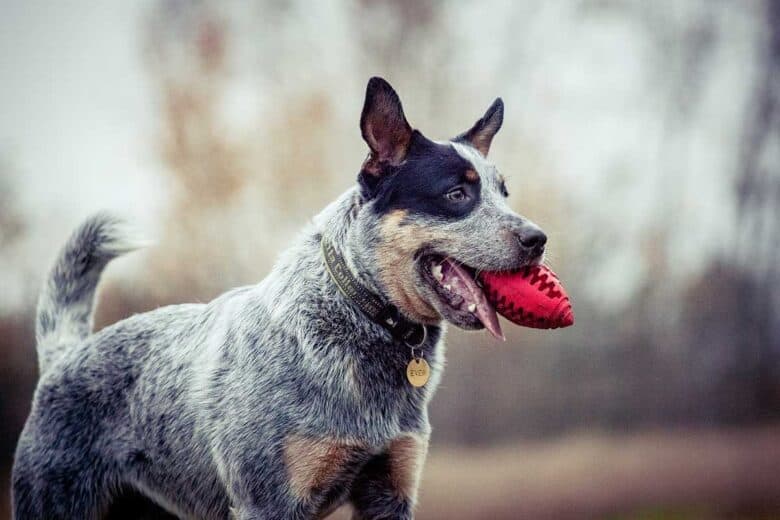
436,212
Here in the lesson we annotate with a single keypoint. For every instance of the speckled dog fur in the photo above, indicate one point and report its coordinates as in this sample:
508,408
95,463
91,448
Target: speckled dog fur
278,400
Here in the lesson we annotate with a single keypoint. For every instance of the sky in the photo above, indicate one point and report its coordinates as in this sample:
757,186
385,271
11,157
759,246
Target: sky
77,108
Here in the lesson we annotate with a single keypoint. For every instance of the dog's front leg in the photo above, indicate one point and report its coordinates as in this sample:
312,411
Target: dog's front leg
257,487
387,486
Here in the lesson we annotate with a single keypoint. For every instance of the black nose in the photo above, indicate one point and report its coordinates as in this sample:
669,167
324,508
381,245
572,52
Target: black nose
532,238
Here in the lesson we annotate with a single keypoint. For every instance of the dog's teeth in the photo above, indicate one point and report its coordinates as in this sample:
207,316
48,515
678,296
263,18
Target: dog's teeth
437,272
448,287
472,307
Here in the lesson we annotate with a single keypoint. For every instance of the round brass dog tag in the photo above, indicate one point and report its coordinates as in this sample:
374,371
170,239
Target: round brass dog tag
418,372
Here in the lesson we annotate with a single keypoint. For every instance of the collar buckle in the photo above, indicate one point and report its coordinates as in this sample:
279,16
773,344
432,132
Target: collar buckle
412,334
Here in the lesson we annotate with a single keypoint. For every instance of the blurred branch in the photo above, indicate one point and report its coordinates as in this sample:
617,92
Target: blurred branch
11,223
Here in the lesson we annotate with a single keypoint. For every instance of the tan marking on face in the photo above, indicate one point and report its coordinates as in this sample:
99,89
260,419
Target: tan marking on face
315,464
397,271
407,456
472,176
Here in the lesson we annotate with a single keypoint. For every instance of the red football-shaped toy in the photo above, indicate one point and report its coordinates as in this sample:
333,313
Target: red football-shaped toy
532,297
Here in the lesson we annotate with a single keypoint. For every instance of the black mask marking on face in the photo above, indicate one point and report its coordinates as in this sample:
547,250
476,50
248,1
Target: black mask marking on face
433,180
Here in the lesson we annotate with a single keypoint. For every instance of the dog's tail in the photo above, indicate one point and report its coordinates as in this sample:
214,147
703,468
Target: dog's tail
65,305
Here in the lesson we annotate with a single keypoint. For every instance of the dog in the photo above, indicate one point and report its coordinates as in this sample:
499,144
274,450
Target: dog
288,398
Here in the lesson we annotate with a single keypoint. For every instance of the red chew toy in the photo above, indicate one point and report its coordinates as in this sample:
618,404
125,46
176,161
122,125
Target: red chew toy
531,297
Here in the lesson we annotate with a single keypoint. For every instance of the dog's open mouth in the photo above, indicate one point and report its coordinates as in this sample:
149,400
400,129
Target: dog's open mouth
461,296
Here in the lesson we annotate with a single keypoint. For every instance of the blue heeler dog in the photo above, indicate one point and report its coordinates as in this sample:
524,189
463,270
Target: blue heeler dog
288,398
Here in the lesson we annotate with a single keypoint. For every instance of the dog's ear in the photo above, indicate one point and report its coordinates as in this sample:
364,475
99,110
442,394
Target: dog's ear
384,128
481,134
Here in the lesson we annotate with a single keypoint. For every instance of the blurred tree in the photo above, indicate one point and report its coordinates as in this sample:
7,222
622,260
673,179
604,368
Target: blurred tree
757,245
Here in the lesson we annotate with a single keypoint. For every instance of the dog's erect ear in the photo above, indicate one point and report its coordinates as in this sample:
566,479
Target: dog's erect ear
384,127
481,134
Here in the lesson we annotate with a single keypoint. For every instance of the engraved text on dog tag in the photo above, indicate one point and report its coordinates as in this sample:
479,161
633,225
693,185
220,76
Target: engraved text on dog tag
417,372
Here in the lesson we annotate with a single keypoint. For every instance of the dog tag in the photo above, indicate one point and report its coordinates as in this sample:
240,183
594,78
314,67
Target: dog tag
418,372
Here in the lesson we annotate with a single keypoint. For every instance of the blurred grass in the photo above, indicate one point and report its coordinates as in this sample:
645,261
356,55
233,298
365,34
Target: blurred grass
694,514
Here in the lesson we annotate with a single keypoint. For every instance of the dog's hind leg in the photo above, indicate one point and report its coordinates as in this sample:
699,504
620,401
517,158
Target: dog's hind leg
55,481
55,492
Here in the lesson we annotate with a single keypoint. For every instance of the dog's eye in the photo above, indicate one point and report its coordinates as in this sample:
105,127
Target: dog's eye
456,195
503,189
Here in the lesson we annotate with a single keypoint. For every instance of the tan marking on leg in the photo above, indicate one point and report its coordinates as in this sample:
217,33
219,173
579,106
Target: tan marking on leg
407,457
395,256
316,463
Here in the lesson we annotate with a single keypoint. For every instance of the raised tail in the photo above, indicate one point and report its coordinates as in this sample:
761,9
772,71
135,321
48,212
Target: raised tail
66,303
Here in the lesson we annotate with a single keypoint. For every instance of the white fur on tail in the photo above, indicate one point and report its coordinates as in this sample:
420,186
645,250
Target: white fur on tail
66,302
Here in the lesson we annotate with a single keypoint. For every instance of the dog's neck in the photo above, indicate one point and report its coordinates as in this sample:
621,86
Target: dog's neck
338,221
374,307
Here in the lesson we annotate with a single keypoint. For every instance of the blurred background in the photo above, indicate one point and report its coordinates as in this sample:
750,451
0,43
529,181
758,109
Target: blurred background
644,137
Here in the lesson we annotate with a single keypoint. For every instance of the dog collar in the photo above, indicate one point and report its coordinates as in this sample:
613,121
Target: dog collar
384,313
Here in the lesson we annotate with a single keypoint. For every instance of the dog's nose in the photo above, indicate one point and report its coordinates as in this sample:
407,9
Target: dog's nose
532,238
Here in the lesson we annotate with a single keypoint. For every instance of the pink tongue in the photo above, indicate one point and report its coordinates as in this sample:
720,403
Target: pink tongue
464,285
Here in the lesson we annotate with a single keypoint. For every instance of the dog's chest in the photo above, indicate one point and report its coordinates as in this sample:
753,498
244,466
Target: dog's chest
323,470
